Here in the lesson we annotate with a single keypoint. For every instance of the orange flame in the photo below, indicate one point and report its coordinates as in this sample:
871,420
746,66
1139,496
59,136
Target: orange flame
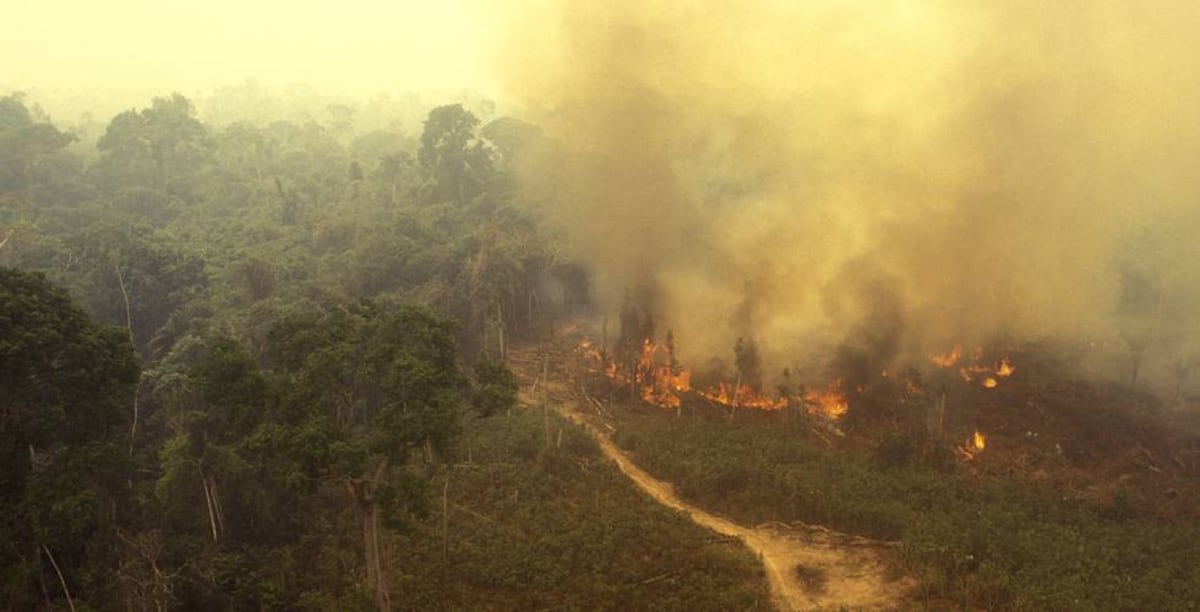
973,446
987,375
946,360
663,384
830,402
1006,368
742,396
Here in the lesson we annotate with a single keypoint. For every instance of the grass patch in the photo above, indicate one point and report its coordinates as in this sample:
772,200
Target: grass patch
995,545
561,528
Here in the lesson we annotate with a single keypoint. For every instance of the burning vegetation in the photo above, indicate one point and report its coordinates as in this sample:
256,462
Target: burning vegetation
658,378
987,375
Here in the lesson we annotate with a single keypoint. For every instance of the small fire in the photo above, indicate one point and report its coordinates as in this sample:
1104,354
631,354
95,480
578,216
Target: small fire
589,350
973,446
969,372
830,402
912,388
986,375
1006,368
947,359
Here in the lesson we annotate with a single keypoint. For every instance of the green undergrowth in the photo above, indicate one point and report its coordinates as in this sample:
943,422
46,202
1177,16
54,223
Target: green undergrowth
971,544
533,528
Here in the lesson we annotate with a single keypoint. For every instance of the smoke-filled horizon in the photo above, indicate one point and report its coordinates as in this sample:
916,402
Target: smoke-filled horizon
897,177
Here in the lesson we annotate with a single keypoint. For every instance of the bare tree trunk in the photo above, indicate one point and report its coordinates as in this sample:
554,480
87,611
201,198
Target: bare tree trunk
941,412
41,578
484,342
382,598
370,541
211,502
62,581
362,492
737,387
604,343
546,398
500,331
529,309
129,326
1137,367
446,525
216,502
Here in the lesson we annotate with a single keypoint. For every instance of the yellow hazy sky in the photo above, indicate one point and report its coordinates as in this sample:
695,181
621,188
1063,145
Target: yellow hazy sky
350,46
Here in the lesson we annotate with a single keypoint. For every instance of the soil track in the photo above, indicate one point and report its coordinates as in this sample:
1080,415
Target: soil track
808,567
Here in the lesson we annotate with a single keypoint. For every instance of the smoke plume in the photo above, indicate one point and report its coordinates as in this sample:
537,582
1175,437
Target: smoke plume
894,176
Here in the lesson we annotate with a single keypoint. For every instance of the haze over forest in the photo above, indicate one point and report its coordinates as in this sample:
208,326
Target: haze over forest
359,305
938,172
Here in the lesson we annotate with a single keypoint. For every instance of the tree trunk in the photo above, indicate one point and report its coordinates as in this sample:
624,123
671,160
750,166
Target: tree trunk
446,526
737,387
382,599
210,502
500,332
1137,366
129,326
62,581
941,412
546,398
530,308
368,508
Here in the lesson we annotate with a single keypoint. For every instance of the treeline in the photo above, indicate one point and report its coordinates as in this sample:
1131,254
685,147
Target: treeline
279,328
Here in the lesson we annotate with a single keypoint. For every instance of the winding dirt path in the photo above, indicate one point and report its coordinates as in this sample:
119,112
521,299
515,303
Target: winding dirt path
808,568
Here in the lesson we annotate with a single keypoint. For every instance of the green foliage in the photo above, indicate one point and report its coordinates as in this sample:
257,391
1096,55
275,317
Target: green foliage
386,371
65,388
292,288
561,529
160,146
993,545
25,144
495,387
137,264
458,162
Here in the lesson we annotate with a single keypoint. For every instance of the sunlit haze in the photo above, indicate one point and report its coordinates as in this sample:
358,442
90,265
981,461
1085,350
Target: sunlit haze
351,47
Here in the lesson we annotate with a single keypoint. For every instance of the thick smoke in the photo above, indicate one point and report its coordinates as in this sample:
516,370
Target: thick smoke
895,176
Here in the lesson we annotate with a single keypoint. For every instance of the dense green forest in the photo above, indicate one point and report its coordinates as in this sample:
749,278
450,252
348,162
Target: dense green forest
262,365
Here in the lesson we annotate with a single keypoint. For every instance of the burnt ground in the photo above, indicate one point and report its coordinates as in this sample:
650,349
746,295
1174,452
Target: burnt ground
1049,429
1046,426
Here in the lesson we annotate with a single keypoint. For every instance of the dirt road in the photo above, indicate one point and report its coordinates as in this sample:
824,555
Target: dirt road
809,568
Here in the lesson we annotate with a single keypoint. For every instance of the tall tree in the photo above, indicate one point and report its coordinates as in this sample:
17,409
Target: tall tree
65,386
458,163
158,146
385,376
24,144
134,277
